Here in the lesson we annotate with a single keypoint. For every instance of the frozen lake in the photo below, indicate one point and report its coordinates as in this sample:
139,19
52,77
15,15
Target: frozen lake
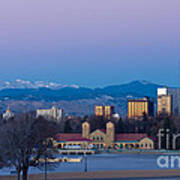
103,162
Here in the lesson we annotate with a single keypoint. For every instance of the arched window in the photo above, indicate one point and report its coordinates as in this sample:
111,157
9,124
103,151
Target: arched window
97,146
121,146
97,138
137,145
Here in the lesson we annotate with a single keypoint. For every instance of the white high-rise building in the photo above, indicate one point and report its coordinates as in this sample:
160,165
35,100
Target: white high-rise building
53,113
162,91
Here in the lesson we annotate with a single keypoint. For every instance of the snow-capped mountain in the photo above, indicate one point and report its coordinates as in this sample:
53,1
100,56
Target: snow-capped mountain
22,84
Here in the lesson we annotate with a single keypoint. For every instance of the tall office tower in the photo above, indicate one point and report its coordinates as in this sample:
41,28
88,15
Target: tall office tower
138,107
164,101
53,113
175,93
104,111
162,91
164,104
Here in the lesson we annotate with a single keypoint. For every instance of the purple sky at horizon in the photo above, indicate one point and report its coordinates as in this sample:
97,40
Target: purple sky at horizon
90,43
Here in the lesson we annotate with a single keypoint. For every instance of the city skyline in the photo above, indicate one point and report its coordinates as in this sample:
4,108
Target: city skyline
90,43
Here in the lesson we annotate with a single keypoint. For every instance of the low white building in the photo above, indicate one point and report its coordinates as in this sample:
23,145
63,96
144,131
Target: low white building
53,113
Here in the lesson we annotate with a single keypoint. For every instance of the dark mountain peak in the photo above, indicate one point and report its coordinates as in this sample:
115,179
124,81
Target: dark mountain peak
134,88
132,84
142,83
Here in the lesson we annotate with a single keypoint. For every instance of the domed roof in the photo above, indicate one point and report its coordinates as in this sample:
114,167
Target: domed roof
8,110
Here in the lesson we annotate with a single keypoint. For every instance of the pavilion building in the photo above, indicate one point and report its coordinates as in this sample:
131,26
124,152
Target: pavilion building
104,139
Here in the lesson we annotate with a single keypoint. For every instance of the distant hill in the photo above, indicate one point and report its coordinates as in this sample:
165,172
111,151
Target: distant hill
135,88
75,100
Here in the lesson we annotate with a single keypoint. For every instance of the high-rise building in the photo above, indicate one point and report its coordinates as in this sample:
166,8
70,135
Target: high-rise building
99,110
53,113
175,93
164,101
164,104
137,108
104,111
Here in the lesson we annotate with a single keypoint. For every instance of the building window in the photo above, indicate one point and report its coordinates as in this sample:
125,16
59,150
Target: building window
137,145
102,139
97,138
102,146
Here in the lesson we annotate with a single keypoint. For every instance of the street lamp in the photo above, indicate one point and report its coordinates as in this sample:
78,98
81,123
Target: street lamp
85,163
45,167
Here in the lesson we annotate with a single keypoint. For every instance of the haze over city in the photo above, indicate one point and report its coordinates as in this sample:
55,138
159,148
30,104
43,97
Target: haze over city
90,43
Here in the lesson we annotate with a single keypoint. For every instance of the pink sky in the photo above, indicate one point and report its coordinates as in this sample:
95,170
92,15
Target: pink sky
90,42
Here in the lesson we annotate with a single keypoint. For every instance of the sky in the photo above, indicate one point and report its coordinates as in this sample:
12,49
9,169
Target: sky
90,42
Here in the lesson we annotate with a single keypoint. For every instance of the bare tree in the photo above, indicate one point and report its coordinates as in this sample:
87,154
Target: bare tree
24,141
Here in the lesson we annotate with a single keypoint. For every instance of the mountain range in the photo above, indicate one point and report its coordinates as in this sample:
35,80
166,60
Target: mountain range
22,84
73,99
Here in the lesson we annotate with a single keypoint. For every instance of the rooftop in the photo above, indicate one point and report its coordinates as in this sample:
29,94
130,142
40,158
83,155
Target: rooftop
130,137
118,137
71,137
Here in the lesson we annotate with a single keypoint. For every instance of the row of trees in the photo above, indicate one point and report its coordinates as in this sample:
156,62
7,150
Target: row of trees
23,141
146,124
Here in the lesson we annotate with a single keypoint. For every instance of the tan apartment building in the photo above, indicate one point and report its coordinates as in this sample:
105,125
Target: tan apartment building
138,107
104,111
164,104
